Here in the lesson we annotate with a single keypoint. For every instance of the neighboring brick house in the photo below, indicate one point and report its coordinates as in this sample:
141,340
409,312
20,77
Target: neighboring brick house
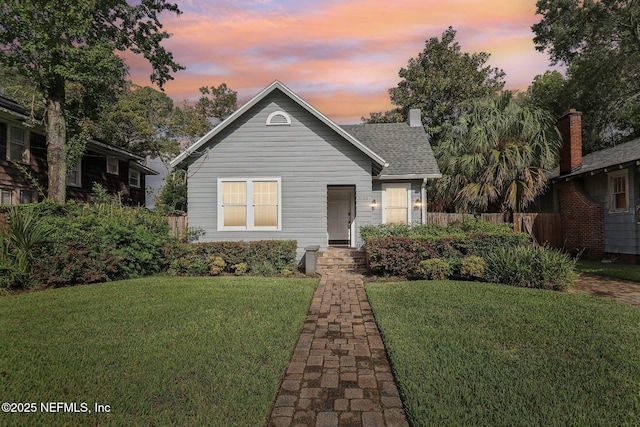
23,164
597,195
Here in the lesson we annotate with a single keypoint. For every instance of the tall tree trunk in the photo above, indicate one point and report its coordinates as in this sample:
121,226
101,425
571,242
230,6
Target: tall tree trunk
56,149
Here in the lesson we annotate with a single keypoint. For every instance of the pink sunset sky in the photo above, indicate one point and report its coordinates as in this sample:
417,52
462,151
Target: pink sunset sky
341,56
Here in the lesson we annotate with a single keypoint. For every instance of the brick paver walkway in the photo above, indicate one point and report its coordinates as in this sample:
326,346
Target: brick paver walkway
339,374
607,287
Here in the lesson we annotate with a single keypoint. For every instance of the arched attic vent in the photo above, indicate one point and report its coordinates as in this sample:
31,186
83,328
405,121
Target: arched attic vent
279,118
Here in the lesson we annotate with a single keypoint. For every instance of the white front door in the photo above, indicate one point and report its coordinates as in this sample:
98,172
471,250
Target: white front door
340,214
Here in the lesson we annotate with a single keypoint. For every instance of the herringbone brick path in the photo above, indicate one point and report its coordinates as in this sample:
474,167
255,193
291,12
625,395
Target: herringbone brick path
339,374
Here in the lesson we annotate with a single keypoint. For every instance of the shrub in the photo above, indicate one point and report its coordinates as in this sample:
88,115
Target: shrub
472,267
434,269
20,236
86,239
394,256
216,265
186,258
240,269
400,256
264,269
531,266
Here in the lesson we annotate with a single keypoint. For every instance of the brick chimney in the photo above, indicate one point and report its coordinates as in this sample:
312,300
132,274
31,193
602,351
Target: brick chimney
415,119
570,127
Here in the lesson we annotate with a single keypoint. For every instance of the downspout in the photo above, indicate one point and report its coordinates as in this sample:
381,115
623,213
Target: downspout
423,196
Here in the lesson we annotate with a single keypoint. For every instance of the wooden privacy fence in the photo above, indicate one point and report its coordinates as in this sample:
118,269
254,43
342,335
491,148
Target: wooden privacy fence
546,228
179,225
444,219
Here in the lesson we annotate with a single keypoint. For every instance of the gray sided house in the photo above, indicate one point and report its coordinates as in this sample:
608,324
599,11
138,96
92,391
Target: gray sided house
597,195
279,169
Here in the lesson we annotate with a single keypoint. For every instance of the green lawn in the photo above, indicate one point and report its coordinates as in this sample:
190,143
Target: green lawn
616,269
158,351
482,354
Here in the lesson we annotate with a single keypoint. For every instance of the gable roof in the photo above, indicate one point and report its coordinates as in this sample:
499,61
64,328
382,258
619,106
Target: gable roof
406,149
619,155
276,85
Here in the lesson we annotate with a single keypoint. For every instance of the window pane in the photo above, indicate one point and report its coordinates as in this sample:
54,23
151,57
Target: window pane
5,197
397,197
621,201
265,216
16,144
234,193
235,216
397,215
26,197
265,193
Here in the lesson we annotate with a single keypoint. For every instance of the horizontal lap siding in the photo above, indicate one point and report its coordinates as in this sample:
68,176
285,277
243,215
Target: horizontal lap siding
621,228
307,156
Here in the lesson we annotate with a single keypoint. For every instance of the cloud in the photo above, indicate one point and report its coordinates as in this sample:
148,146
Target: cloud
335,49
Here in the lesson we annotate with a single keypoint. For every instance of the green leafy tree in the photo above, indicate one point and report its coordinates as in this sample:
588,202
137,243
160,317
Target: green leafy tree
141,122
191,121
599,41
439,79
496,156
65,46
173,196
549,91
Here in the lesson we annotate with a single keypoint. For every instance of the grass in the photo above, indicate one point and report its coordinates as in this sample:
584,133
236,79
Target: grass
158,351
617,270
482,354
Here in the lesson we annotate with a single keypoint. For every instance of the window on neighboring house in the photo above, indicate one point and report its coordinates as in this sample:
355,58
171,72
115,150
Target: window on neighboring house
17,145
134,178
618,190
26,196
249,204
395,203
74,175
6,197
113,165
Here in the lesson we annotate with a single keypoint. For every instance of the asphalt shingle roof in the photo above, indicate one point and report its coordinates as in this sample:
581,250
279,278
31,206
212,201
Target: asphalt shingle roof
612,156
405,148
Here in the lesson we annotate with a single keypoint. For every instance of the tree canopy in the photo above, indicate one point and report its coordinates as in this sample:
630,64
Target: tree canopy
67,49
439,79
599,42
496,156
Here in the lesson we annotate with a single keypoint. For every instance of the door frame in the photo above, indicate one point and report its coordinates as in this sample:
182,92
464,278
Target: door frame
351,190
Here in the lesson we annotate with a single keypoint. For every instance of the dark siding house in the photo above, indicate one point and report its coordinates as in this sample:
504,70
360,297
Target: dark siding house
24,169
597,194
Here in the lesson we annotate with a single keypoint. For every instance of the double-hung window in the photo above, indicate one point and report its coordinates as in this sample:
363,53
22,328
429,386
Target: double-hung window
396,203
74,175
618,191
249,204
134,178
17,146
113,165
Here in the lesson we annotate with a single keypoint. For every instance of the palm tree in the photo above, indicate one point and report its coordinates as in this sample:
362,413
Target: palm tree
496,156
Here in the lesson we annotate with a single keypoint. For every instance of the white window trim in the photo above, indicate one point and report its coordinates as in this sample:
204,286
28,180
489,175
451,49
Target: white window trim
117,165
611,176
79,170
272,116
139,178
405,185
249,204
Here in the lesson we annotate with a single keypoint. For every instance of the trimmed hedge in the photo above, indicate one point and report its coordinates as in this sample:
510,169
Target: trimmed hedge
263,256
401,256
